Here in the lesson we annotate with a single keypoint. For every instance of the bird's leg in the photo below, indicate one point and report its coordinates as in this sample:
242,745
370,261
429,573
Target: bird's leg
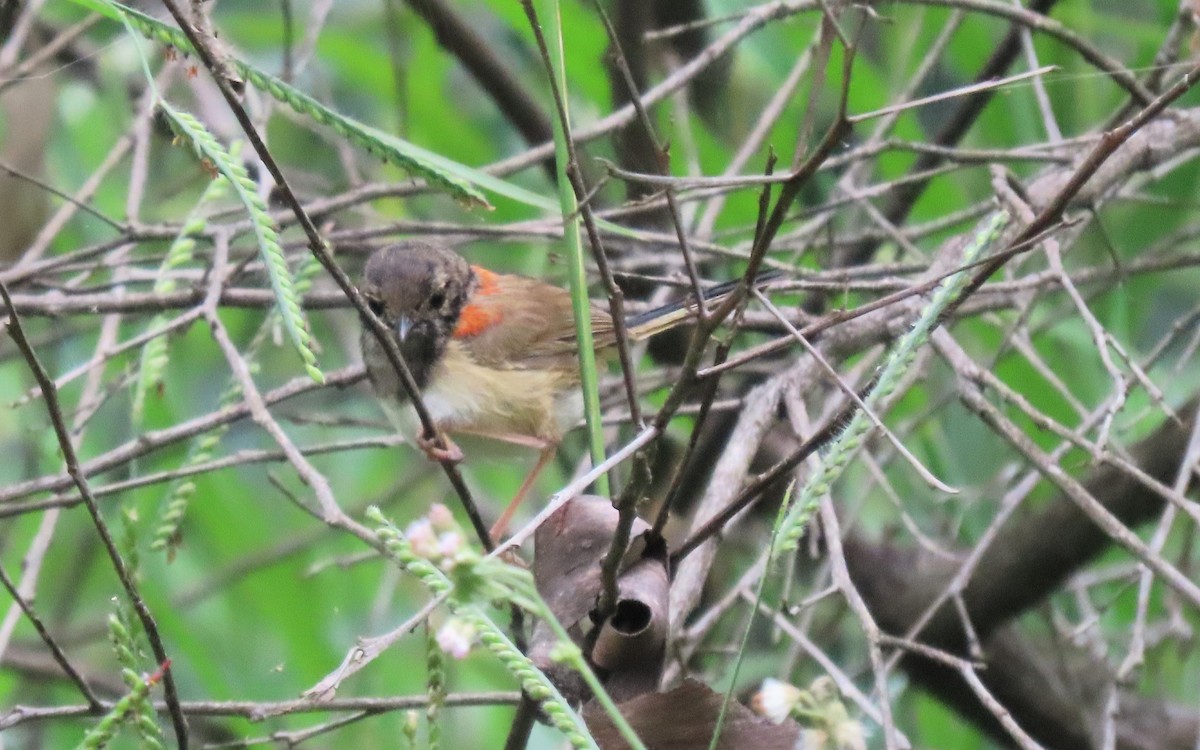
434,452
501,525
512,438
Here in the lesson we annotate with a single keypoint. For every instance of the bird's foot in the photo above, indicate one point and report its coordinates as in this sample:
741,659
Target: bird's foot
434,452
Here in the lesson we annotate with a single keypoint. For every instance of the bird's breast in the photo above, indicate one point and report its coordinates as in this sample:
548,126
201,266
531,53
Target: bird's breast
465,394
462,393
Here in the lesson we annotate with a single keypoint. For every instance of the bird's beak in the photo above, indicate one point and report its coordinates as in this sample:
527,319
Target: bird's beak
403,326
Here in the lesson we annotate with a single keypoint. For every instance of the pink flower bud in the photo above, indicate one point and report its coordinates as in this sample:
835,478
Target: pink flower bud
455,638
441,518
424,541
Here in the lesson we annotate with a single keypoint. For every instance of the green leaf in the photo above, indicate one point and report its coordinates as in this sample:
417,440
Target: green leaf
207,147
457,179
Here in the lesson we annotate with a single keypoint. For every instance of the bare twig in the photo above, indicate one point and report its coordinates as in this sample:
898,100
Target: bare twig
318,247
79,477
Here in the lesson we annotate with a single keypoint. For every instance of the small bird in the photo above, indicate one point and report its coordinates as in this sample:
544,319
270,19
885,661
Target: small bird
493,354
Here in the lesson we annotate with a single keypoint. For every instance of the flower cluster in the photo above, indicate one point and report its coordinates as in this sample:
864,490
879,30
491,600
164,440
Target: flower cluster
819,708
438,538
435,550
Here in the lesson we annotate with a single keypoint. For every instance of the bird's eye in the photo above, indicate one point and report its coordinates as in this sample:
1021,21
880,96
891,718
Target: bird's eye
375,306
437,299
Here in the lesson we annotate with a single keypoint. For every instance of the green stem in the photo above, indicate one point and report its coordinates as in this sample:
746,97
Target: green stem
577,276
569,653
758,597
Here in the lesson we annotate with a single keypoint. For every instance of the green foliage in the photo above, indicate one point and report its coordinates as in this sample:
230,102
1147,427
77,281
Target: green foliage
258,599
479,581
180,253
429,165
131,707
211,152
851,439
435,680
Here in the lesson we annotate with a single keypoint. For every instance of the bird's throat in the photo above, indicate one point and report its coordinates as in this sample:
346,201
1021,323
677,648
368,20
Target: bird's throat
421,354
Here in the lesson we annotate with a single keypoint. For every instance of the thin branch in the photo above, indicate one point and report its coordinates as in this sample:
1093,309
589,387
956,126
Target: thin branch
319,249
79,477
260,710
55,650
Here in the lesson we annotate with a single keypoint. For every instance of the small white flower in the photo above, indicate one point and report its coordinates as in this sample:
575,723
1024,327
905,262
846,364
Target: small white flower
421,536
849,735
455,638
776,699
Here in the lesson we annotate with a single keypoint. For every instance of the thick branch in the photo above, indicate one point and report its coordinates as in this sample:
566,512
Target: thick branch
1027,560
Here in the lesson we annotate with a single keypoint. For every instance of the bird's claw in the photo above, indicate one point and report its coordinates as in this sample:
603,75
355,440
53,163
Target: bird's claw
434,452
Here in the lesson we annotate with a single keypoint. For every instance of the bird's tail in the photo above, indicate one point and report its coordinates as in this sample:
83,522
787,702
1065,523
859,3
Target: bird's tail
652,322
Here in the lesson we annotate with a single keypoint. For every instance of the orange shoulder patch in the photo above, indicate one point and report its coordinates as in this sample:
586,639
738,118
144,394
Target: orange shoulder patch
474,320
489,281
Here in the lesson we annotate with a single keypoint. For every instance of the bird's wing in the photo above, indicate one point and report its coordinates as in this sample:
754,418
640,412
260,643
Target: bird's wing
524,323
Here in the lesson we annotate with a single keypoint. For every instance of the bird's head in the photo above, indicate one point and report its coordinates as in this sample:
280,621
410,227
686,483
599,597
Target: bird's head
418,292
